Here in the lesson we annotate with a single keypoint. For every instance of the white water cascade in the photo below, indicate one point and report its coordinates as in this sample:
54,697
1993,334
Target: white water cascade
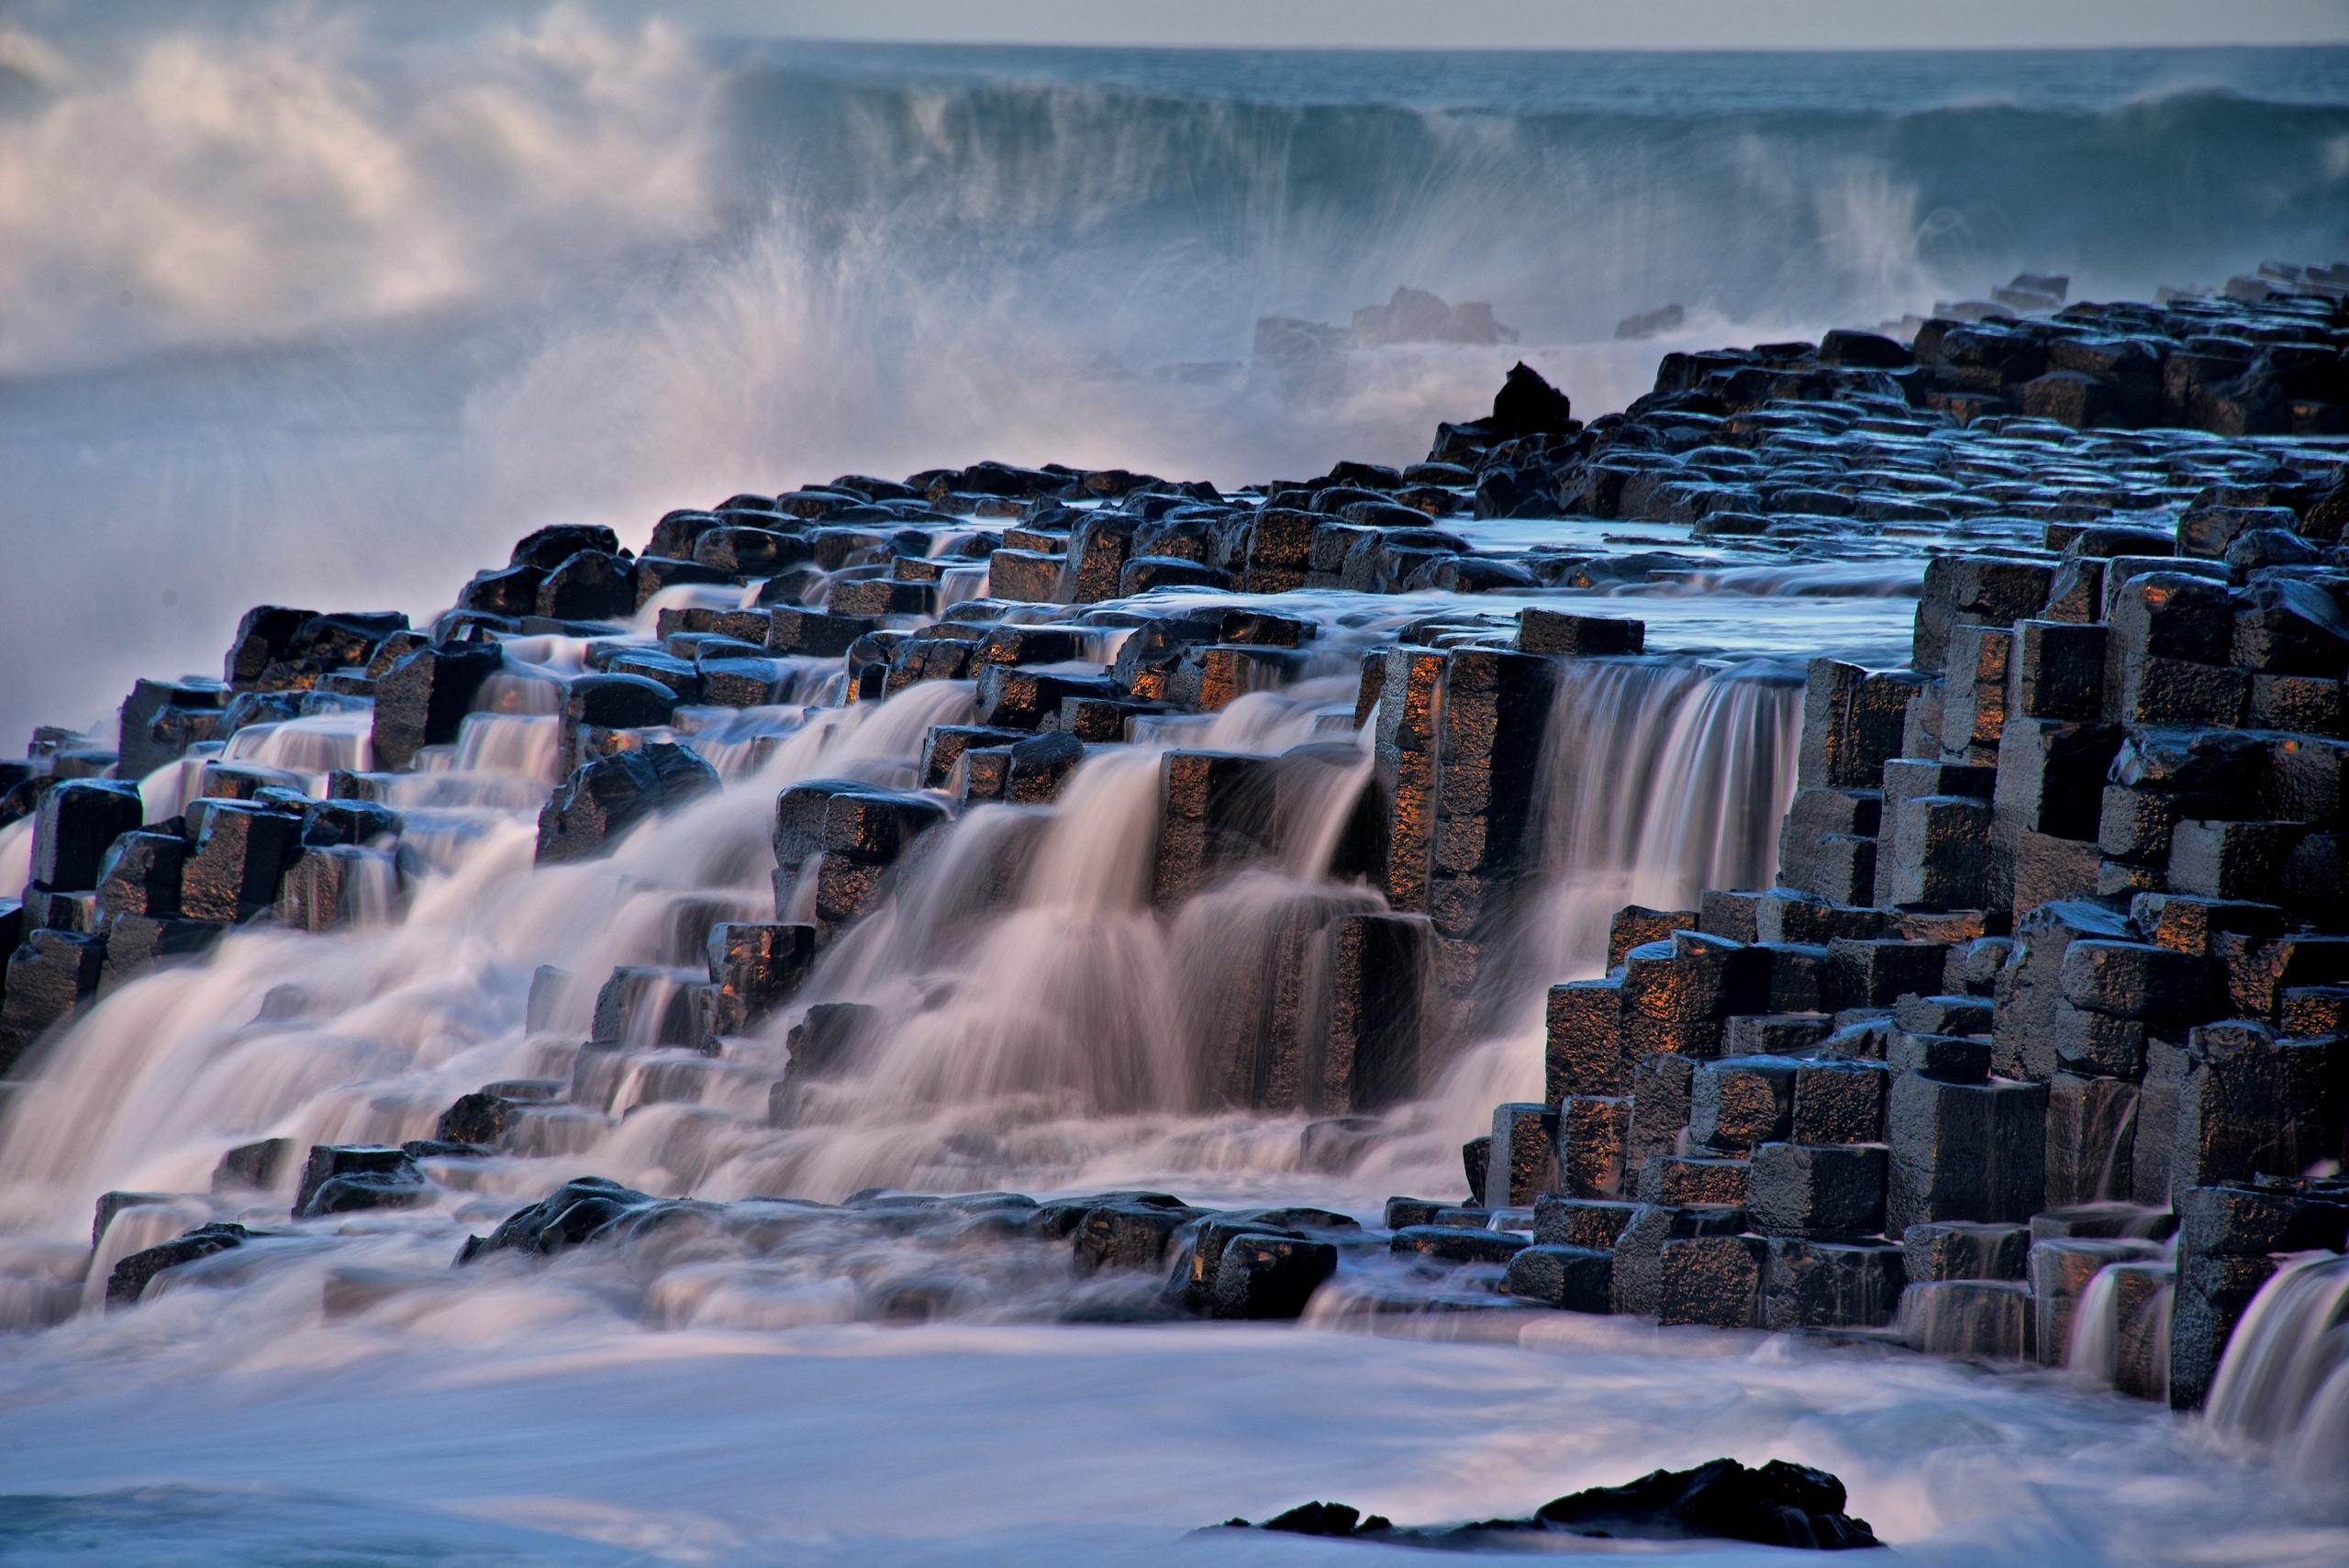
2284,1381
1663,778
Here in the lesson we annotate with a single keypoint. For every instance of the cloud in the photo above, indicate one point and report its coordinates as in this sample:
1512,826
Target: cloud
250,187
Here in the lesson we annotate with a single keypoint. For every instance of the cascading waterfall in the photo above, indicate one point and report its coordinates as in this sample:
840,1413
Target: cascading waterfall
2284,1381
1664,777
1660,777
1030,1017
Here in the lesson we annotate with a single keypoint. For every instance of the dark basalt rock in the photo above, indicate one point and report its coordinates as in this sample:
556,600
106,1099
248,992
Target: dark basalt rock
134,1273
1777,1504
423,699
575,1213
261,638
479,1118
49,974
339,1178
242,852
251,1167
511,592
1529,405
603,799
1317,1518
550,547
77,820
592,585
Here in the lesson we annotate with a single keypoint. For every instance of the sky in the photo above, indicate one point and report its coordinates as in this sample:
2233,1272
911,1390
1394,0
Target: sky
1363,24
1548,24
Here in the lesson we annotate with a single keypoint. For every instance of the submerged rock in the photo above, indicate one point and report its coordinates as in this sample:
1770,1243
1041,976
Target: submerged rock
1776,1504
134,1273
575,1213
341,1178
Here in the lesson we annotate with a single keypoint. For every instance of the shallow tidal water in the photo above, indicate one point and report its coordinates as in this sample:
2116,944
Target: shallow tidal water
518,1431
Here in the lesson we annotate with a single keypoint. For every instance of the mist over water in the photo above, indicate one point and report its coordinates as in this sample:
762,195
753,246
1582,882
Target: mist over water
303,300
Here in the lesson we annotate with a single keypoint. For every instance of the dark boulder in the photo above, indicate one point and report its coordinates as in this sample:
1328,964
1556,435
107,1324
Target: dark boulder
480,1119
513,591
550,547
1263,1276
1317,1518
1144,573
140,874
1777,1505
251,1167
422,700
674,535
262,637
49,974
602,800
1129,1235
617,702
322,643
753,965
321,888
160,720
339,1178
1529,405
655,573
76,822
575,1213
242,852
751,552
137,943
341,820
134,1273
1865,350
592,584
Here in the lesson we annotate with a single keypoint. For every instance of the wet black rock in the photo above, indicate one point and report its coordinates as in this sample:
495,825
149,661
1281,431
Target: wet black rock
578,1212
77,820
1265,1276
513,592
550,547
1574,1279
1447,1244
160,720
262,637
140,874
603,799
422,700
243,853
340,1178
251,1167
1528,406
134,1273
591,585
1317,1518
137,943
481,1119
49,974
1127,1235
1777,1505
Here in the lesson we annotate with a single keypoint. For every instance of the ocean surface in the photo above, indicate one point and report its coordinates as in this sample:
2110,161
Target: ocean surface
291,304
303,309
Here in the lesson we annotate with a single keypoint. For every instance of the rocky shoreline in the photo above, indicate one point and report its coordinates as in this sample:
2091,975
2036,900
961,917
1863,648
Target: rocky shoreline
2042,1018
